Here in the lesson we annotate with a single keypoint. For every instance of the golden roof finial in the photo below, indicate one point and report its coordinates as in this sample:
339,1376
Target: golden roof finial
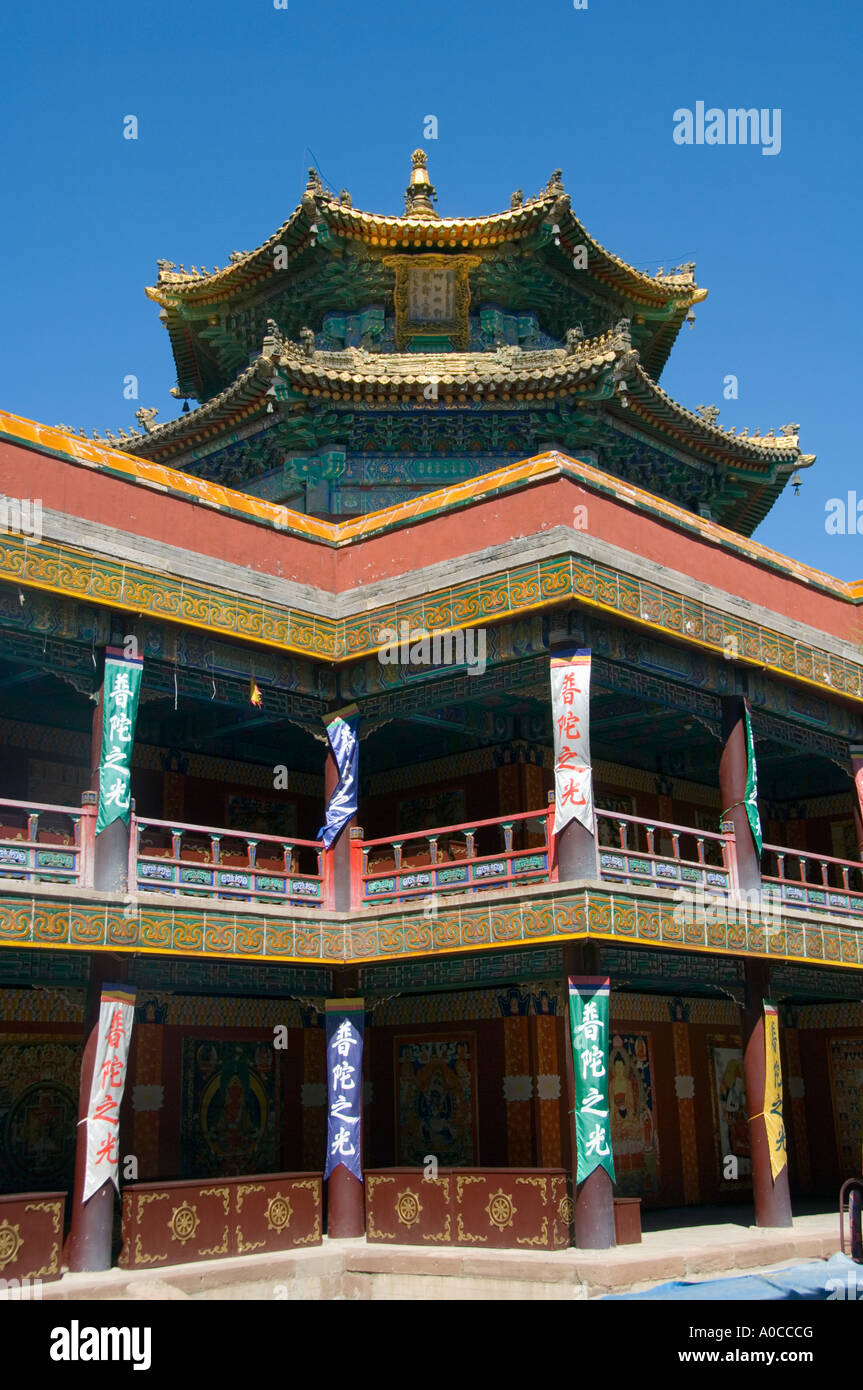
420,193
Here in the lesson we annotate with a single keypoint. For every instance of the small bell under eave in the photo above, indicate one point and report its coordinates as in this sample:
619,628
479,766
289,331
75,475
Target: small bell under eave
796,483
185,407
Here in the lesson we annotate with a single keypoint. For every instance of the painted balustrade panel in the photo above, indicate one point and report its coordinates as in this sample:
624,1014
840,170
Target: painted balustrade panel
658,854
278,1213
478,1208
31,1235
181,1222
42,843
511,1209
814,882
405,1208
202,861
504,851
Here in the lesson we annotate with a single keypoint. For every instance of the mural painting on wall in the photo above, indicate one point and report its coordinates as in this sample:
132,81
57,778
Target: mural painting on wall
846,1086
634,1136
843,836
426,812
229,1108
436,1105
730,1113
609,831
38,1111
266,817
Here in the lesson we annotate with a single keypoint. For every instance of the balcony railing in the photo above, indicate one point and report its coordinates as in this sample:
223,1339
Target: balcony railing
659,854
243,866
814,882
497,853
40,843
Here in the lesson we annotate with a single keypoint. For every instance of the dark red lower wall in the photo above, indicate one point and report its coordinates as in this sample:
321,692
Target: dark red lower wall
811,1121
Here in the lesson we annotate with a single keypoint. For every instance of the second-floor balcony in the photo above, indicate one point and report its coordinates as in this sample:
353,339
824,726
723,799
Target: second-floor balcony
204,862
47,844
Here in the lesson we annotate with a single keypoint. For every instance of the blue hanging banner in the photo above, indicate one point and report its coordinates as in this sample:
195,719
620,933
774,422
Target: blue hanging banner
343,734
345,1019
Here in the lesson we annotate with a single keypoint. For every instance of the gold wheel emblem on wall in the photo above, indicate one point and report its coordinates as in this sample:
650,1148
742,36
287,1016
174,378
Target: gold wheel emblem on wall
184,1223
408,1208
278,1213
564,1210
501,1209
10,1243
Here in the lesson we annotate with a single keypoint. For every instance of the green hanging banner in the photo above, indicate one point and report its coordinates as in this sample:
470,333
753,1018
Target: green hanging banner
120,691
589,1014
750,800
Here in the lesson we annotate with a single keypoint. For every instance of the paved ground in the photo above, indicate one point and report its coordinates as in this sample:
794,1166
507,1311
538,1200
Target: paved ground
350,1269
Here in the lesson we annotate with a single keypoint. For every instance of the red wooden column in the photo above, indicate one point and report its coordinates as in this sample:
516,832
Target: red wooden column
576,853
345,1210
88,1245
772,1199
594,1198
732,787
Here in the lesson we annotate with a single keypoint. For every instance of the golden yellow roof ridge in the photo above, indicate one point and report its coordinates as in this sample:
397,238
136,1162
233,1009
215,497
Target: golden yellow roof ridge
785,442
679,284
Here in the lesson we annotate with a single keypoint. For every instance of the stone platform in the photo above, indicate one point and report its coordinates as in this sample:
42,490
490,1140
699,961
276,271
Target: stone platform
351,1269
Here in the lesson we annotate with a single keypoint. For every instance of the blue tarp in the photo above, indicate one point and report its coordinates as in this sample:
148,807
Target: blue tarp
811,1281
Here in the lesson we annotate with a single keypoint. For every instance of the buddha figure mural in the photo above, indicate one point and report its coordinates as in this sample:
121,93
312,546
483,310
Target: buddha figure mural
633,1125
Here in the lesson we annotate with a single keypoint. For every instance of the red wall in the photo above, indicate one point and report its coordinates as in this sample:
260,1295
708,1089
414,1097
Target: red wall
79,491
820,1120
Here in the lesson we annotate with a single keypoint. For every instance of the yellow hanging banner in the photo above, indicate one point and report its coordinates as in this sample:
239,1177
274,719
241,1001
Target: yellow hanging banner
773,1091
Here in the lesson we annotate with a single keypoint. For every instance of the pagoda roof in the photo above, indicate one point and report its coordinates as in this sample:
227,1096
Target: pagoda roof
322,218
605,370
250,268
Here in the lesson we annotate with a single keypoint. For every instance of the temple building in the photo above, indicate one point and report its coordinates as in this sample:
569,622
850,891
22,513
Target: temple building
315,623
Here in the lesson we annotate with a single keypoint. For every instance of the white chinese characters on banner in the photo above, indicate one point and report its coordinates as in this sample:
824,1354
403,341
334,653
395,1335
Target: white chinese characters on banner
116,1016
344,1065
122,688
570,704
589,1024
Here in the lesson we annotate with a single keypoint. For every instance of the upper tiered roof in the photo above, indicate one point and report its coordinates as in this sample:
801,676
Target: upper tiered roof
202,309
383,339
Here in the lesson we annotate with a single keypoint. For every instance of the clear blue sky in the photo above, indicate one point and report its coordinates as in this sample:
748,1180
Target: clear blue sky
235,99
